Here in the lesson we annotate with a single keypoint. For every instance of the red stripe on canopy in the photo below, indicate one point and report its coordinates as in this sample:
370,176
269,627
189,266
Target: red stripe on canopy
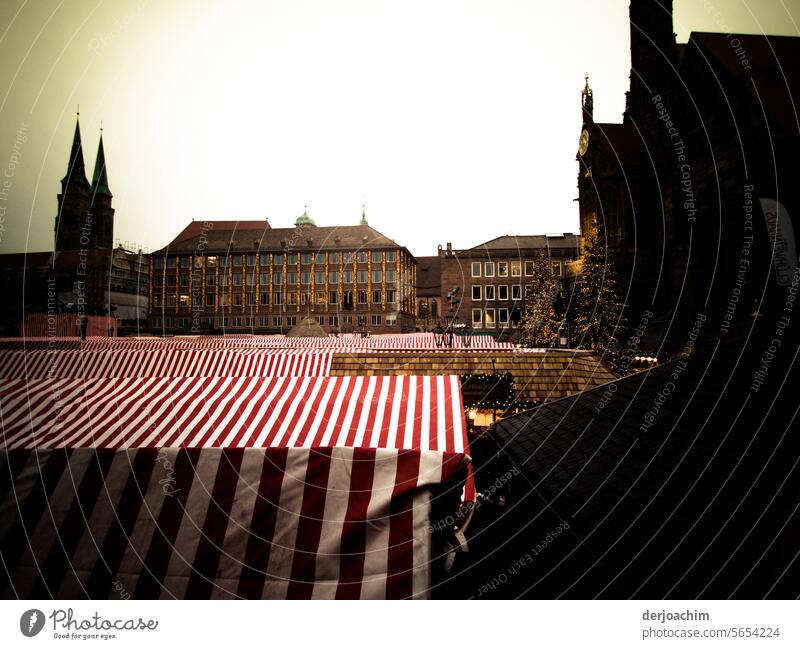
213,412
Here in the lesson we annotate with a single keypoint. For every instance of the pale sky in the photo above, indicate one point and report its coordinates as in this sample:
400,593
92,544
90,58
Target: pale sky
451,121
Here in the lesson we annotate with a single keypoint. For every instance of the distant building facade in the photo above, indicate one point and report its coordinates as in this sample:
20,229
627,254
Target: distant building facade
247,277
492,278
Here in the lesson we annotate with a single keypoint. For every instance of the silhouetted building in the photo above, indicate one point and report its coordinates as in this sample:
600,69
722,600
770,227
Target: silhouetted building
85,274
685,187
245,276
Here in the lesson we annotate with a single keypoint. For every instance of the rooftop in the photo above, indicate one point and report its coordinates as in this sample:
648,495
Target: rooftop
254,236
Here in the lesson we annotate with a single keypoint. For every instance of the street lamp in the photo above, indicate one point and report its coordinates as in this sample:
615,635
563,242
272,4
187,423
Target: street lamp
563,334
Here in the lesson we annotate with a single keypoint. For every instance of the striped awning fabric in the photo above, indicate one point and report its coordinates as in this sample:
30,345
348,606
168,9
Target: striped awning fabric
163,362
188,487
417,341
397,412
222,523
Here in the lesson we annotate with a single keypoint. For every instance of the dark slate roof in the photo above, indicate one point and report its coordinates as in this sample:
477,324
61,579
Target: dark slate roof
429,276
676,481
772,78
530,242
251,236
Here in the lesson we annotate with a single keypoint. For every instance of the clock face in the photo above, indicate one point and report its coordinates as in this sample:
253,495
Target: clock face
583,143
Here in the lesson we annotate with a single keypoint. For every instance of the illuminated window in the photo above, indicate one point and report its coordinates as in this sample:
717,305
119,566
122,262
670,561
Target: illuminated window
489,318
477,318
516,269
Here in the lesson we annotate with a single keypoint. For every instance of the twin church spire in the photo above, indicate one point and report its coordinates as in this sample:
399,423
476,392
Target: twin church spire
85,218
76,168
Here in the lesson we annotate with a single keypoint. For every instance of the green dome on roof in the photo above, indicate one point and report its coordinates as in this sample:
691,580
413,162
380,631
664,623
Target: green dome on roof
304,219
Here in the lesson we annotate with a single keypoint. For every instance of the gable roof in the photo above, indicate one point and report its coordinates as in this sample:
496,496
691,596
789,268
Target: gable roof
530,242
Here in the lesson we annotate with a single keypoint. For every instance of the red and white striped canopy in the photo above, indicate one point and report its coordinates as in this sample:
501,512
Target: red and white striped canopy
163,362
398,412
410,342
222,467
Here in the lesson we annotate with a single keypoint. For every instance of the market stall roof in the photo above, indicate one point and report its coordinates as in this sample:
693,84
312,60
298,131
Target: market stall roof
399,412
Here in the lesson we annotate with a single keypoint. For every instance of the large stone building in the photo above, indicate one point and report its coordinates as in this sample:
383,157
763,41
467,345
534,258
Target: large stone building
686,187
245,276
491,278
84,274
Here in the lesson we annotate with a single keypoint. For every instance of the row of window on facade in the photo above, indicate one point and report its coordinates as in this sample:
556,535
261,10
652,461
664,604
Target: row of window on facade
277,277
305,258
251,298
278,322
492,318
515,268
491,292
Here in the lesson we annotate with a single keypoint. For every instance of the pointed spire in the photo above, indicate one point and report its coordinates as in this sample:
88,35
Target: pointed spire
100,179
363,216
587,101
76,170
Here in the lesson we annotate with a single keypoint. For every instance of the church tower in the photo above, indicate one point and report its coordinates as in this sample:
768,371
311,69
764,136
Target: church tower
85,219
101,210
74,199
653,57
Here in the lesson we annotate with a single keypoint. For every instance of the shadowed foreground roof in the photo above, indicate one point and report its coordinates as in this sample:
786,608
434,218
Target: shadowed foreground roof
677,482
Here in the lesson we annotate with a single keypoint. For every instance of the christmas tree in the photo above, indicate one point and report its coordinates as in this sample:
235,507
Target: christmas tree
597,308
540,322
